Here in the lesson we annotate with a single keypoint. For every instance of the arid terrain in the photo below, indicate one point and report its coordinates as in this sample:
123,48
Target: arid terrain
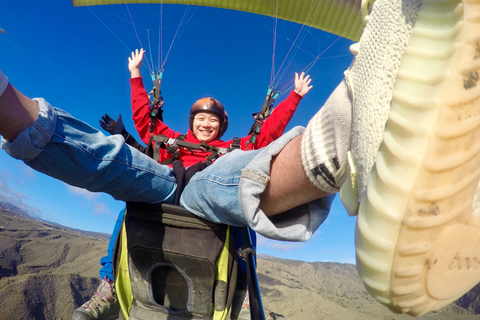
47,271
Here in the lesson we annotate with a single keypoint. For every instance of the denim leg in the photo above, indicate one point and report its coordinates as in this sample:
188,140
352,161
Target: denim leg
229,192
72,151
107,261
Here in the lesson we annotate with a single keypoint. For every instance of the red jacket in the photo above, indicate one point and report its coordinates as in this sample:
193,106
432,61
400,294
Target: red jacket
272,128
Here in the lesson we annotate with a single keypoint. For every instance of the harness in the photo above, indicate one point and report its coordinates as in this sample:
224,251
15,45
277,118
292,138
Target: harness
172,265
175,145
267,107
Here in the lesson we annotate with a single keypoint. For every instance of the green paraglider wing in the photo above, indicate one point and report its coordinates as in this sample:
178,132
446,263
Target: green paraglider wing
340,17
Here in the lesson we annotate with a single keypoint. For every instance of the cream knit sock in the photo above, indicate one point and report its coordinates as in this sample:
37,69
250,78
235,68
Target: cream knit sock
326,140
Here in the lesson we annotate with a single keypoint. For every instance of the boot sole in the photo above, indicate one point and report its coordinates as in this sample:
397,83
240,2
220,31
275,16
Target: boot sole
418,228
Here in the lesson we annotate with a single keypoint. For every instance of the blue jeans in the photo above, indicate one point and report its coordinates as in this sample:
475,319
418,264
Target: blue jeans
228,191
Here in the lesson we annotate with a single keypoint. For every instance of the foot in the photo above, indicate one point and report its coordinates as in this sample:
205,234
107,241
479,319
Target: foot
418,229
102,305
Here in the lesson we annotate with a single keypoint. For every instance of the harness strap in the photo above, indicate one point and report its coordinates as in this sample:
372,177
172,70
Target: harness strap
156,111
262,115
179,173
172,145
235,144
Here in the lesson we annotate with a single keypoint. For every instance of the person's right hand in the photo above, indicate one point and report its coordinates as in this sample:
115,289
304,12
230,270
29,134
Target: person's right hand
302,83
135,62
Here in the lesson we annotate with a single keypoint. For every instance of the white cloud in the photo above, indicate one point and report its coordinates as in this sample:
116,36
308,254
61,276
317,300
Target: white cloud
87,195
23,174
93,199
5,189
350,260
278,245
27,172
15,197
102,208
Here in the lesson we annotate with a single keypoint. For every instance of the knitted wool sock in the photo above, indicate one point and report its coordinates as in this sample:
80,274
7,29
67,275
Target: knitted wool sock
326,140
3,82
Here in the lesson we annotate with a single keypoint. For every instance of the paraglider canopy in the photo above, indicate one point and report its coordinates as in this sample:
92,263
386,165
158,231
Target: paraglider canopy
340,17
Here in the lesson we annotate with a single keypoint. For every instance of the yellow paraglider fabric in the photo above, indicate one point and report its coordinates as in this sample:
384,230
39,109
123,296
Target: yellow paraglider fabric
340,17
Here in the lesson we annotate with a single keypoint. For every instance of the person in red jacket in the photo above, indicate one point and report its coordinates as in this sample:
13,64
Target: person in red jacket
208,121
272,128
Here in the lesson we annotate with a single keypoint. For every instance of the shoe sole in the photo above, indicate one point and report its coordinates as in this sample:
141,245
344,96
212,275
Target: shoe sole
418,228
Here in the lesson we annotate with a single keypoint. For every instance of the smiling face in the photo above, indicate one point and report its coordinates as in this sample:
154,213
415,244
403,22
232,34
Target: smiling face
206,126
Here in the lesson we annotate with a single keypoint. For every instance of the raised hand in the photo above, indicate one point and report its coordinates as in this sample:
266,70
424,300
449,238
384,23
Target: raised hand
135,62
302,83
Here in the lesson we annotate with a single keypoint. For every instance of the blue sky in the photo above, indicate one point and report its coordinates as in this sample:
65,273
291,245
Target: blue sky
76,58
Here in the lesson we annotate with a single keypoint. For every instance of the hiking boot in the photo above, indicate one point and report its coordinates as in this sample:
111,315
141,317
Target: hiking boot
416,148
241,301
102,305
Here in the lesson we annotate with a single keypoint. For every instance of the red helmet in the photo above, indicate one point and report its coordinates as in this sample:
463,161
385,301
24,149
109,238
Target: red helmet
212,106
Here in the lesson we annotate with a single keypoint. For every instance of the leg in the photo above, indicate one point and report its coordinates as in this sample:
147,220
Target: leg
17,111
291,181
287,191
59,145
307,168
236,182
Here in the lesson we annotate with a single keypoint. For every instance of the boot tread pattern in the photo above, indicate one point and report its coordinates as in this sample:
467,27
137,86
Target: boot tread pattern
421,195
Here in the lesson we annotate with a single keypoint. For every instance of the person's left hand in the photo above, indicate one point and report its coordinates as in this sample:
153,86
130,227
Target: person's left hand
112,126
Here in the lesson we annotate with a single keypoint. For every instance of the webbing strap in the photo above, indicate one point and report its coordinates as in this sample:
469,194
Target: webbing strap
173,144
235,144
157,103
123,286
262,115
222,274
